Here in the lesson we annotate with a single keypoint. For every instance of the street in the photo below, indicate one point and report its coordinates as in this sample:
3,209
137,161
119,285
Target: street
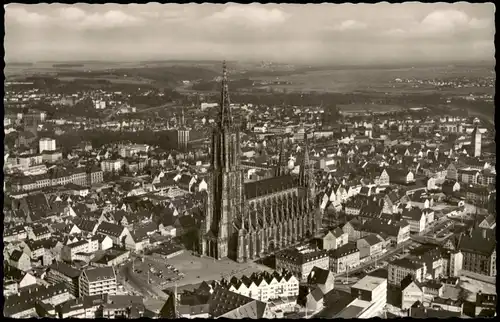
127,277
384,257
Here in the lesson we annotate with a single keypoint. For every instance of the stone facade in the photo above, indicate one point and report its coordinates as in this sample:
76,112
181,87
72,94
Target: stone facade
244,221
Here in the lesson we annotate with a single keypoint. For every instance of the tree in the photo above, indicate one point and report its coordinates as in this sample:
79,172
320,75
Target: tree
463,295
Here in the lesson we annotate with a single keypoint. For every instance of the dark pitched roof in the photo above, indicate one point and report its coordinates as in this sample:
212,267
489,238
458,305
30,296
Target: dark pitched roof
38,293
377,225
476,243
84,224
373,239
263,187
65,269
407,281
295,256
317,294
223,301
406,263
41,230
85,302
12,273
16,255
318,276
110,229
343,250
414,214
425,313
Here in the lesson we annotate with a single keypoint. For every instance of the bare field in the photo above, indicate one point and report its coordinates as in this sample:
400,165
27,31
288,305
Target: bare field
47,68
116,80
369,107
371,79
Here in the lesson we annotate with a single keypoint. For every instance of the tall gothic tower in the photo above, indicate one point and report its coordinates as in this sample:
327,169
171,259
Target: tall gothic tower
306,175
225,184
476,141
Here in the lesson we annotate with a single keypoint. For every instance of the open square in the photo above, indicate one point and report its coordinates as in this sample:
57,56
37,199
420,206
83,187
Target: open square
198,269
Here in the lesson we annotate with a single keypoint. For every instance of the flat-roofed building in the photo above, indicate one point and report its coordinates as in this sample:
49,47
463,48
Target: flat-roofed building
60,272
401,268
370,298
100,280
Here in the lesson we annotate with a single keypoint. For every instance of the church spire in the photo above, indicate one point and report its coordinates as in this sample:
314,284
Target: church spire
306,151
225,109
279,168
305,164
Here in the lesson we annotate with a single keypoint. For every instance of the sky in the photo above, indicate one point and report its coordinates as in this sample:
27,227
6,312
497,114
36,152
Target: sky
321,33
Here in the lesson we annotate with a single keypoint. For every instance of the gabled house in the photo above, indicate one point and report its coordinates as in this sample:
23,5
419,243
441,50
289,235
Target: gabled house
137,240
399,176
353,228
39,233
322,279
333,239
449,187
105,242
416,218
411,292
117,233
20,260
488,223
86,226
370,211
371,245
15,233
383,179
396,232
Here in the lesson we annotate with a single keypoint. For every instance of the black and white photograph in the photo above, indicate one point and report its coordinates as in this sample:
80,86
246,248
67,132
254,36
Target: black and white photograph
259,161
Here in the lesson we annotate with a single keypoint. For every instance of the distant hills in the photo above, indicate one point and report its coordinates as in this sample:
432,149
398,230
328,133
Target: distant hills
18,64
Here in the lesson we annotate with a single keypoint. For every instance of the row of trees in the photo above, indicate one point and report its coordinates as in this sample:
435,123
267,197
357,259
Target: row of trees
166,140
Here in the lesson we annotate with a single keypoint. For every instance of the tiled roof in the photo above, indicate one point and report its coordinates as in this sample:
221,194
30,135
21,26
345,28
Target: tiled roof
40,231
425,313
16,255
476,243
296,257
263,187
81,302
251,310
414,214
318,276
379,226
317,294
223,301
110,229
32,295
12,273
65,269
337,232
406,263
13,231
373,239
344,250
85,225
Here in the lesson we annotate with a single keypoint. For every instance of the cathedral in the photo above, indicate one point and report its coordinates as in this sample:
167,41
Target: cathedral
245,221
